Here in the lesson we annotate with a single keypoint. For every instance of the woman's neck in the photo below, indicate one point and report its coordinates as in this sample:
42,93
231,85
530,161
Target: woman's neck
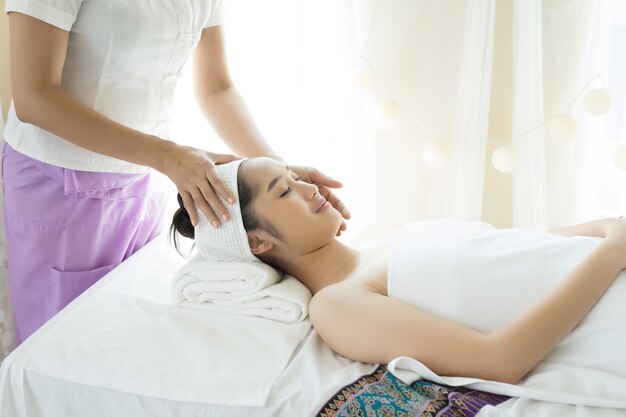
327,265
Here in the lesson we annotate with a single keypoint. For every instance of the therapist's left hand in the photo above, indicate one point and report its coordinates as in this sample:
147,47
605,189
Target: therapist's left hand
324,184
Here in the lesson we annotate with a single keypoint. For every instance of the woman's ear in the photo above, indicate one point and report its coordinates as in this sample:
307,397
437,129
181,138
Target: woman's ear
258,244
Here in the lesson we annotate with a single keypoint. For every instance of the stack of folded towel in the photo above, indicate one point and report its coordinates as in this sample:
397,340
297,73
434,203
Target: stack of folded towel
226,277
242,288
266,310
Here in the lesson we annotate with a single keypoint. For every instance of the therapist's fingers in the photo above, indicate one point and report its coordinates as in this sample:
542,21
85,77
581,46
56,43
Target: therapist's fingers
193,172
342,228
215,180
314,176
223,158
189,206
211,187
211,206
334,200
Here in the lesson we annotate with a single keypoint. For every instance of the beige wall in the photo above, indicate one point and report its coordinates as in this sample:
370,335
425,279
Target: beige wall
497,196
5,84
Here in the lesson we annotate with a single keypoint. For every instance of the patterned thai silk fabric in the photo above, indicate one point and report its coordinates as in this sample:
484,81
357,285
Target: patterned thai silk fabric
382,394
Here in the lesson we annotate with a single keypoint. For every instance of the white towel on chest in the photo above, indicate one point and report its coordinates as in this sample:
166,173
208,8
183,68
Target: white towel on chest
242,288
480,276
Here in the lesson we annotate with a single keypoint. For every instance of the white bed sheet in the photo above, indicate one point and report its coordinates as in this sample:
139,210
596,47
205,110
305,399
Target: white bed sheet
35,382
314,374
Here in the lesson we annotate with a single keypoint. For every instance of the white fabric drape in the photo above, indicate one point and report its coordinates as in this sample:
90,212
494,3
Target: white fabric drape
529,172
291,63
6,315
553,44
464,193
601,186
434,59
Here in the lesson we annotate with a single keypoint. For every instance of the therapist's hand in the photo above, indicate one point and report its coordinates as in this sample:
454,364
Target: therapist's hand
324,184
193,172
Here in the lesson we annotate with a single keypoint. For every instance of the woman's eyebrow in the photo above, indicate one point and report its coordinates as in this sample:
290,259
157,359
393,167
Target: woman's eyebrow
275,180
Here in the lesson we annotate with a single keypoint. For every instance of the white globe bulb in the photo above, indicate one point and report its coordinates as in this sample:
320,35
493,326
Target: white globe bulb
563,127
436,154
503,158
387,115
598,101
619,157
363,78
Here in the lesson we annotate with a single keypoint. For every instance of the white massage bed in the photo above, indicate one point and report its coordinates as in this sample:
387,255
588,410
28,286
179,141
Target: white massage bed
38,379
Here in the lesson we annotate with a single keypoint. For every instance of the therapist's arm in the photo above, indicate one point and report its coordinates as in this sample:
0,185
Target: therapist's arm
227,112
219,100
38,52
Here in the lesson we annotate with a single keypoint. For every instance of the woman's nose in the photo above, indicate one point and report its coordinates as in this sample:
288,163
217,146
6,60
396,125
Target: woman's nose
309,190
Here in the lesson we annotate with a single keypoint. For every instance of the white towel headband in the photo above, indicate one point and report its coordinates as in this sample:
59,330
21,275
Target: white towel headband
229,242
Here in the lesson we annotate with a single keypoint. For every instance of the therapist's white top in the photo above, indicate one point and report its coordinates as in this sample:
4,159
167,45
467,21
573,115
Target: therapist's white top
124,58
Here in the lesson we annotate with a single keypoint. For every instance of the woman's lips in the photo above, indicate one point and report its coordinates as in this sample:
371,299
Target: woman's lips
322,206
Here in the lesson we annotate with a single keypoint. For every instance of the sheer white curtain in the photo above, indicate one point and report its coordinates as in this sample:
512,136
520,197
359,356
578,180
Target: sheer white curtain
601,185
6,316
434,59
558,47
291,61
529,173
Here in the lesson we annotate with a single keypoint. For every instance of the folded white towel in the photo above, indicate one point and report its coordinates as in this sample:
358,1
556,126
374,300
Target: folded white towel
244,288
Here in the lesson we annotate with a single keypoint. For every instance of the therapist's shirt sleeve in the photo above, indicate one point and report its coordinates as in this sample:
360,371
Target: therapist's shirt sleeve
218,14
59,13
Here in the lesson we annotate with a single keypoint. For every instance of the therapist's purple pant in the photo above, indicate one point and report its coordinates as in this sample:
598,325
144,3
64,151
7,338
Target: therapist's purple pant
66,229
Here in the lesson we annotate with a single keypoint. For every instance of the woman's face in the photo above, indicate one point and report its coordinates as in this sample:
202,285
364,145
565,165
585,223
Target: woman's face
294,208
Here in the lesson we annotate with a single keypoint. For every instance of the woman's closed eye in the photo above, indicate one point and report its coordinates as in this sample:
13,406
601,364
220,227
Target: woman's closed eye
288,190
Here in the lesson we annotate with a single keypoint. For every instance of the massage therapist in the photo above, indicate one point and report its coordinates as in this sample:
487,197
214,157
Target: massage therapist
93,84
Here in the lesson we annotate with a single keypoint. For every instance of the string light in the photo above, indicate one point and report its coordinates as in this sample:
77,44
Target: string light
388,115
597,101
619,157
436,154
503,158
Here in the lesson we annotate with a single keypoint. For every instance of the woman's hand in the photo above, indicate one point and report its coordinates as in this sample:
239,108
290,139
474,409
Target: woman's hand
607,224
193,172
594,228
616,238
324,184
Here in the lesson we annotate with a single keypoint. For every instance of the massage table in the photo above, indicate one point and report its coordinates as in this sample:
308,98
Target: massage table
41,379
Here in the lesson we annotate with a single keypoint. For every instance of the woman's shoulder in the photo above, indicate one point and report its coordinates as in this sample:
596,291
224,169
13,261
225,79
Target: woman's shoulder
328,301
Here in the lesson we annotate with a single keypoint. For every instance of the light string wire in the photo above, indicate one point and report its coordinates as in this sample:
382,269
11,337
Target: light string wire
489,142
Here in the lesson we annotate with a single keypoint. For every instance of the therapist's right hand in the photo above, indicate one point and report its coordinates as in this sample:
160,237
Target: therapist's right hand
193,172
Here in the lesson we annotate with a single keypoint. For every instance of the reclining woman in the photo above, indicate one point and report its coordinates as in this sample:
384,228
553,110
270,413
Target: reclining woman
290,226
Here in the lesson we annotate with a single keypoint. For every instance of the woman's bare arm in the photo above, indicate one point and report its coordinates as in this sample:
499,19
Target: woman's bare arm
529,337
365,326
594,228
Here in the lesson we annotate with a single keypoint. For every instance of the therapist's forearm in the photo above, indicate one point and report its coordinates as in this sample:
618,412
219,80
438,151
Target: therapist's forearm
232,121
65,116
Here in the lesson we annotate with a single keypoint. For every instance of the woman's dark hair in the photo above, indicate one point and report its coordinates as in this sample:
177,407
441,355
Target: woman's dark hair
181,222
